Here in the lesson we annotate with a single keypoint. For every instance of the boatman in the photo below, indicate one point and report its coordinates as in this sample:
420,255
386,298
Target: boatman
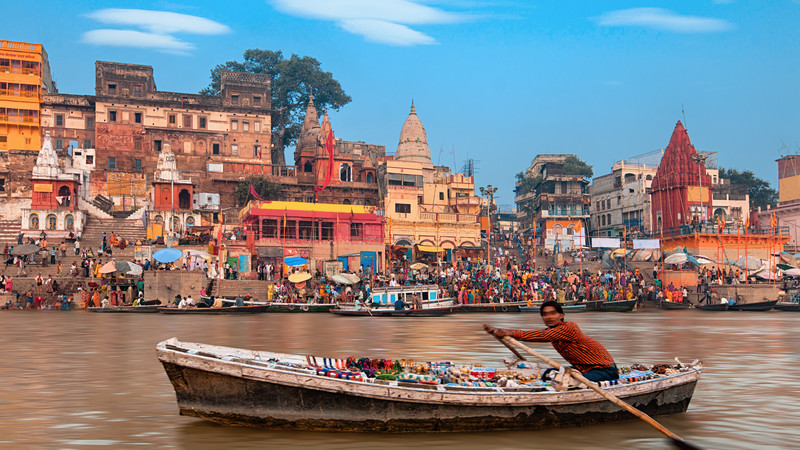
582,352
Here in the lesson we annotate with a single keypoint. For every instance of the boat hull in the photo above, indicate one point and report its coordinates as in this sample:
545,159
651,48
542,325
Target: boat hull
566,308
787,306
759,306
258,309
491,307
674,305
229,392
618,306
386,312
124,309
713,307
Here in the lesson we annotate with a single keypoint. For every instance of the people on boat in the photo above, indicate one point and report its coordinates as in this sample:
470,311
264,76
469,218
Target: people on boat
399,305
583,352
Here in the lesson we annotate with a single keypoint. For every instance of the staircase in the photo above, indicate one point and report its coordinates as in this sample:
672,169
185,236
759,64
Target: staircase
132,230
9,230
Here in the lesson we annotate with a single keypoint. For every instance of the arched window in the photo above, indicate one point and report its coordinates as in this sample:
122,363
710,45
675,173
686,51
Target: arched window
346,201
184,199
176,223
51,221
648,178
571,230
158,218
557,230
602,221
165,194
345,173
369,177
69,222
64,193
307,167
190,220
34,222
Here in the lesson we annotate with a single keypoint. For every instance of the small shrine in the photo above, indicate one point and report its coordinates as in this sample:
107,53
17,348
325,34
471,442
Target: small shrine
54,197
172,198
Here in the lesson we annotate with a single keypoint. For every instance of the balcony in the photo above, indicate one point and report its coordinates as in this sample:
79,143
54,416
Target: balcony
20,71
33,121
12,94
465,201
448,218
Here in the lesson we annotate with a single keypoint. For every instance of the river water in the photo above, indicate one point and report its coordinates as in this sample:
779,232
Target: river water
82,380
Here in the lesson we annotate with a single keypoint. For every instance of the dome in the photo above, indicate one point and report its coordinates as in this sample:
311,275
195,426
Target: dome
413,145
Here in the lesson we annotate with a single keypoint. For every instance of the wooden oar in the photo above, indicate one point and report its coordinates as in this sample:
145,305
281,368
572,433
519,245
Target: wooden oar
509,341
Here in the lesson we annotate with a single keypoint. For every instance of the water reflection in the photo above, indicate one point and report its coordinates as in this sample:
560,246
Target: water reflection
80,380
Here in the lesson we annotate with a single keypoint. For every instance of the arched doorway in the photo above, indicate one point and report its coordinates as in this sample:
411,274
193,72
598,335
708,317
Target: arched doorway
69,222
51,221
307,167
345,173
369,177
65,194
184,199
34,222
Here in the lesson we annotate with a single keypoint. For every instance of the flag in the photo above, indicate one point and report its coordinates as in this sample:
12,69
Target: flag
329,148
773,220
254,193
721,223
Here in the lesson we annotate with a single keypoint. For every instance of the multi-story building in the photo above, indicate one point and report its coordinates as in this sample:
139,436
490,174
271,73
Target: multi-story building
557,206
621,199
428,208
24,78
787,212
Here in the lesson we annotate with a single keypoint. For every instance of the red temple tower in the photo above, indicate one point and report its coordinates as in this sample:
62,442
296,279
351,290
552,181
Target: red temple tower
681,189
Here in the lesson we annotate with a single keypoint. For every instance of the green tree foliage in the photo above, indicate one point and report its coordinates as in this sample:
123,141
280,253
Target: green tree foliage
575,166
265,188
761,193
291,82
526,183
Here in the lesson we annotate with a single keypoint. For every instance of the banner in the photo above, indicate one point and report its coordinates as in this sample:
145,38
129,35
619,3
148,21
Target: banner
605,242
646,244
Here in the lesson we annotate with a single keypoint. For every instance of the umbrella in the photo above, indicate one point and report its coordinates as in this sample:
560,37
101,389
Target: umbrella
785,267
108,267
122,266
199,254
419,266
295,261
701,260
352,277
25,249
339,278
766,275
748,263
167,255
676,258
793,272
726,261
135,269
299,277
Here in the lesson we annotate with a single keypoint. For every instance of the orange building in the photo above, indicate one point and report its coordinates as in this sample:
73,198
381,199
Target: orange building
24,78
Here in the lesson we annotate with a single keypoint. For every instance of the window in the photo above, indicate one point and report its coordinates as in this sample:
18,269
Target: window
234,125
307,230
356,230
112,162
137,165
619,199
90,123
2,184
172,119
234,149
326,233
112,88
59,144
245,125
257,127
307,167
157,145
369,177
234,99
419,199
441,195
137,90
59,120
112,116
256,101
69,222
137,143
33,222
403,208
395,179
87,143
187,121
201,122
137,117
598,206
256,151
345,173
215,148
89,159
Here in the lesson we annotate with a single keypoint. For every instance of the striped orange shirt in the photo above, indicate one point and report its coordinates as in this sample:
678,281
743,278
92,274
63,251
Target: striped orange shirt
581,351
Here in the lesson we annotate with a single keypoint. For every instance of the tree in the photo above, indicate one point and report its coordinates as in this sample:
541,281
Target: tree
761,193
291,82
526,183
574,166
265,188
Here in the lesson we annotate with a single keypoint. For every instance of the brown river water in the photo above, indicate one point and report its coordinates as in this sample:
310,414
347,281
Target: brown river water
83,380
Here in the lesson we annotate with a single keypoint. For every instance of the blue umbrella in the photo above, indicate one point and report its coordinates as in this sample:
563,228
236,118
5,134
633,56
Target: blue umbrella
295,261
167,255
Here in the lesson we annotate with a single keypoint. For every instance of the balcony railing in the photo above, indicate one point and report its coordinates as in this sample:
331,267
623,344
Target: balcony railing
448,218
20,70
18,119
19,93
710,228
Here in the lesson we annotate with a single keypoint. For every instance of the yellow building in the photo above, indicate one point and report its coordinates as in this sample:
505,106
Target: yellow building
428,208
24,77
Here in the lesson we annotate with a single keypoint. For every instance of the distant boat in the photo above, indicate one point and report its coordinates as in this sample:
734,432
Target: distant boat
566,308
758,306
787,306
252,309
124,309
674,305
618,306
391,312
713,307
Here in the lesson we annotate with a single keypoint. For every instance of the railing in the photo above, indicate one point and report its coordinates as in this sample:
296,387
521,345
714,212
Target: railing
21,70
19,93
709,228
448,218
258,169
18,119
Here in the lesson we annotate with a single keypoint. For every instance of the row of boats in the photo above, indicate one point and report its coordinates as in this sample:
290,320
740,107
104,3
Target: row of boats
725,306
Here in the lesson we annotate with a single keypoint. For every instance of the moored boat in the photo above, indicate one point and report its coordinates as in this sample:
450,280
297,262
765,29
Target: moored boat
713,307
124,309
757,306
250,309
674,305
618,306
566,308
281,391
787,306
492,307
390,312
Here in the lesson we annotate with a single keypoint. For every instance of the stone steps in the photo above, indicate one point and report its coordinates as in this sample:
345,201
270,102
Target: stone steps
9,230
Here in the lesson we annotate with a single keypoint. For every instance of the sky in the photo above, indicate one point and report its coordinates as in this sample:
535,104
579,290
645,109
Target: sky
496,81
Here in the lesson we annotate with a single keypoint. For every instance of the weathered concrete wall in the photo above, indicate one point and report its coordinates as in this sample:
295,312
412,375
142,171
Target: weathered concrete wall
749,293
165,285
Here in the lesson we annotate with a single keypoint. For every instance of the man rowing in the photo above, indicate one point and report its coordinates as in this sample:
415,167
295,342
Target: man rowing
584,353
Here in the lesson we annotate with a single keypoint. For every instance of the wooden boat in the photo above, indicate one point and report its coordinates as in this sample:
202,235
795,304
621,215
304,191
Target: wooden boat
251,309
758,306
281,391
618,306
787,306
713,307
390,312
492,307
278,307
674,305
593,305
566,308
124,309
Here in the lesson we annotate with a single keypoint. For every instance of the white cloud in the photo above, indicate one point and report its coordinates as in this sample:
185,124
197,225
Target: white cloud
662,19
381,21
138,39
158,29
161,22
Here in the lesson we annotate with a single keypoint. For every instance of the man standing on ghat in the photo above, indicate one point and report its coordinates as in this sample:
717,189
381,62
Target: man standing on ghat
585,354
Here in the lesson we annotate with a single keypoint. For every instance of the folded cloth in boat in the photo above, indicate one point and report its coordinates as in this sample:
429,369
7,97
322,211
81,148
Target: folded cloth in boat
418,377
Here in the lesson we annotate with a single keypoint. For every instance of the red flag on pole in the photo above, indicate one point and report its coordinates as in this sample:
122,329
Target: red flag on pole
254,193
329,148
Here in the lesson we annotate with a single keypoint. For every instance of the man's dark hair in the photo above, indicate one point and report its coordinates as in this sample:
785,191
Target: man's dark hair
552,303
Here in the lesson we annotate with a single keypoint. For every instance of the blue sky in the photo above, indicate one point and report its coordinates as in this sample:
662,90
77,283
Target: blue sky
496,81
